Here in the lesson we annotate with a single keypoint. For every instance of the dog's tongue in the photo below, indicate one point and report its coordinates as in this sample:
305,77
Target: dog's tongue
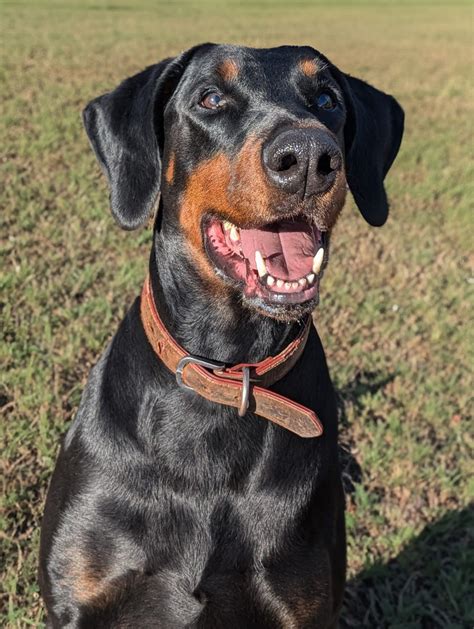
288,248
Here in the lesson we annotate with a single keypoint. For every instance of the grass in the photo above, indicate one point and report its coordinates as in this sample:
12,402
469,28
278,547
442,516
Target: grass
395,303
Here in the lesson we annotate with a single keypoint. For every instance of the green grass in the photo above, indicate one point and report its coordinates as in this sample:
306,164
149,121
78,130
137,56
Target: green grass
396,302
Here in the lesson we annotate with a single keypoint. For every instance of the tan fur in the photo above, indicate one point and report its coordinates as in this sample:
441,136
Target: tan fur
223,185
88,583
228,70
169,174
309,67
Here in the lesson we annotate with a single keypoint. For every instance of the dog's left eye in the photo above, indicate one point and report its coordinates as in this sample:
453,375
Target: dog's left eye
213,100
324,100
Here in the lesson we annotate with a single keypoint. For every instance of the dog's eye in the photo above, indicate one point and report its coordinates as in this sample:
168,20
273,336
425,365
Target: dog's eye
324,100
213,100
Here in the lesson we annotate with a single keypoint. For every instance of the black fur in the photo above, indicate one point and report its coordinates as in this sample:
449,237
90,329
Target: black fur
373,135
166,510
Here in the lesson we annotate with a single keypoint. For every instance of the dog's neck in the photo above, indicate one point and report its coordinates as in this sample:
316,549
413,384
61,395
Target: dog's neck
199,321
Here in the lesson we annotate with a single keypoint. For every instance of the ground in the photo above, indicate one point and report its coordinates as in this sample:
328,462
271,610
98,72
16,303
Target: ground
395,301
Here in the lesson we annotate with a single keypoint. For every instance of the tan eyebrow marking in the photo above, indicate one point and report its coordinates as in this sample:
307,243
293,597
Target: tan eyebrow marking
308,67
228,69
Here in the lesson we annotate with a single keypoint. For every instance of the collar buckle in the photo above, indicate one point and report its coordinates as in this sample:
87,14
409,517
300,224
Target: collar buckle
186,360
215,366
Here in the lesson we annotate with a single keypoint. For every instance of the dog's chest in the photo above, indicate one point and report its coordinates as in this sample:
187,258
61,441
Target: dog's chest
246,551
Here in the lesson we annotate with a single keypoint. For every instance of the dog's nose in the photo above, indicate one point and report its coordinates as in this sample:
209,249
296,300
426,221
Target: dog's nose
302,161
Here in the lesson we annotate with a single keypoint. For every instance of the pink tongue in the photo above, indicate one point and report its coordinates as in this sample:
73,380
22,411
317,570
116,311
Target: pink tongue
288,248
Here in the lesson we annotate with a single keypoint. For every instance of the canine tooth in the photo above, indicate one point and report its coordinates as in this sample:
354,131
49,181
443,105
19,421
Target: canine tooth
234,233
270,280
318,260
260,262
227,225
302,281
310,278
294,285
280,283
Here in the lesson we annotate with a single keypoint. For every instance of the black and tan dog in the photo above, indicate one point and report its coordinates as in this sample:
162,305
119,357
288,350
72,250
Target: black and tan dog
199,485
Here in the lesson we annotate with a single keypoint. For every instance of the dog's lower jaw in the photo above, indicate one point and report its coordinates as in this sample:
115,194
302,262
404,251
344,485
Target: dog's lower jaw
283,314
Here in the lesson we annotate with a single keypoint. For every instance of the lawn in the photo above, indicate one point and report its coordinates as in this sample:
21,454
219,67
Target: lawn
395,303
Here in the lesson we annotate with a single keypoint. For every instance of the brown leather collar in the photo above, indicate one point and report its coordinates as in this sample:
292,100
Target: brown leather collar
233,386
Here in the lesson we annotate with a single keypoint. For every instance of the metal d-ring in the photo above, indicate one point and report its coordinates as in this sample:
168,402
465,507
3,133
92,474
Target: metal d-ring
244,400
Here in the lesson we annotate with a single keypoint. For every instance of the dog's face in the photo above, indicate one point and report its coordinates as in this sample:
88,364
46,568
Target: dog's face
253,151
253,161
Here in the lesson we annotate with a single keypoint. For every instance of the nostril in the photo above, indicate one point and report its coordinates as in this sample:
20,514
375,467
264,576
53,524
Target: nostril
325,166
286,162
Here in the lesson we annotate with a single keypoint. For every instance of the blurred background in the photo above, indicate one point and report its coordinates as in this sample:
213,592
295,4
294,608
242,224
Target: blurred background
395,302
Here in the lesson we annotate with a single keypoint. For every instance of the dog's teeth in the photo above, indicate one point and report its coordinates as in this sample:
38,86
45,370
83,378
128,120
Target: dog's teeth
302,281
294,285
310,278
287,285
227,225
260,262
280,283
318,260
270,280
234,234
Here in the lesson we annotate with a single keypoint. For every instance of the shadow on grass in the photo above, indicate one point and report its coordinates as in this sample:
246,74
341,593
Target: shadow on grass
430,584
365,383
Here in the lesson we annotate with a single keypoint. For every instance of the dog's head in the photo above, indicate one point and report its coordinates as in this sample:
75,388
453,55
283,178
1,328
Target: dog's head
252,151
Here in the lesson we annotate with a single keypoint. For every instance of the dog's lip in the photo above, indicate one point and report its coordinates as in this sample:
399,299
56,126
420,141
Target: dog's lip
240,264
280,215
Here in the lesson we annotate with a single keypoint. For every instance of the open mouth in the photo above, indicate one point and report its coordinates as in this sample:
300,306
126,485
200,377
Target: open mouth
280,262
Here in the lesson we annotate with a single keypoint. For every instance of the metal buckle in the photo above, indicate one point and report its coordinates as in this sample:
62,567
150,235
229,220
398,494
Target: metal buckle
208,364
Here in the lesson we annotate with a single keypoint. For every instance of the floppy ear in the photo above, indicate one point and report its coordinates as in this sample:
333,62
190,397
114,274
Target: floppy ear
372,135
125,128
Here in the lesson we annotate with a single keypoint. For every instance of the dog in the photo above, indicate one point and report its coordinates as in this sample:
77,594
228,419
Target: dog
199,485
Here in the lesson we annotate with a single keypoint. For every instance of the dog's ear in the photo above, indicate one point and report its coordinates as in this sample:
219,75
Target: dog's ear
125,128
372,136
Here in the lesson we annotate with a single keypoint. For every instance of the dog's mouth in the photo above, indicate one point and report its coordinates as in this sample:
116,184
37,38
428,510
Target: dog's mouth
280,262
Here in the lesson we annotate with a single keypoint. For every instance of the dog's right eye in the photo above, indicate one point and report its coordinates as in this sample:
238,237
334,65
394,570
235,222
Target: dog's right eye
213,100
